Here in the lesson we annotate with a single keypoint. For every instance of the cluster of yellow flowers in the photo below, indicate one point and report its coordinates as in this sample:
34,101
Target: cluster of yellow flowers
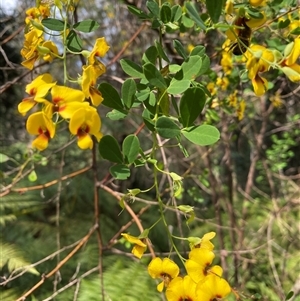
259,59
58,103
203,281
35,46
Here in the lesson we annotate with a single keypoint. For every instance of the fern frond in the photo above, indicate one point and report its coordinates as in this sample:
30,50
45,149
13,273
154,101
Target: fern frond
131,283
13,258
18,201
5,218
8,294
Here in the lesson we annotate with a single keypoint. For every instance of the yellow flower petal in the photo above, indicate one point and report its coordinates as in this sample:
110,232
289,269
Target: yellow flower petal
170,267
181,289
217,270
85,141
260,85
25,105
256,3
133,239
39,124
155,267
160,286
212,288
41,142
62,93
138,251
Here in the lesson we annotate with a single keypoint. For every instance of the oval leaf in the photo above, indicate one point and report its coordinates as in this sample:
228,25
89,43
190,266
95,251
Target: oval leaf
86,26
131,147
120,172
191,105
167,128
214,8
128,92
3,158
109,149
154,76
202,134
74,42
191,67
194,15
131,68
178,86
111,97
54,24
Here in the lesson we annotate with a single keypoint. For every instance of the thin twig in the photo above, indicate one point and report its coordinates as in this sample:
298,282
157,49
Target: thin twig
59,265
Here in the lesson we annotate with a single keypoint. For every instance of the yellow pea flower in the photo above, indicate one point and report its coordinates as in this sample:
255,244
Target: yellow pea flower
139,246
99,50
198,264
294,53
29,51
166,269
83,123
241,110
260,85
88,83
222,82
39,124
212,288
51,53
65,101
202,243
259,60
181,289
37,90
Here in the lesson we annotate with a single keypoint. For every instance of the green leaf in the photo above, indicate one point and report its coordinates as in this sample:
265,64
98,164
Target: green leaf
180,49
109,149
115,115
214,8
138,12
194,15
154,76
176,12
54,24
283,23
143,94
131,148
86,25
198,50
161,51
128,92
165,13
167,128
147,117
178,86
202,134
153,7
111,97
120,172
191,104
187,21
14,259
32,177
150,55
289,295
205,66
3,158
131,68
74,42
191,67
